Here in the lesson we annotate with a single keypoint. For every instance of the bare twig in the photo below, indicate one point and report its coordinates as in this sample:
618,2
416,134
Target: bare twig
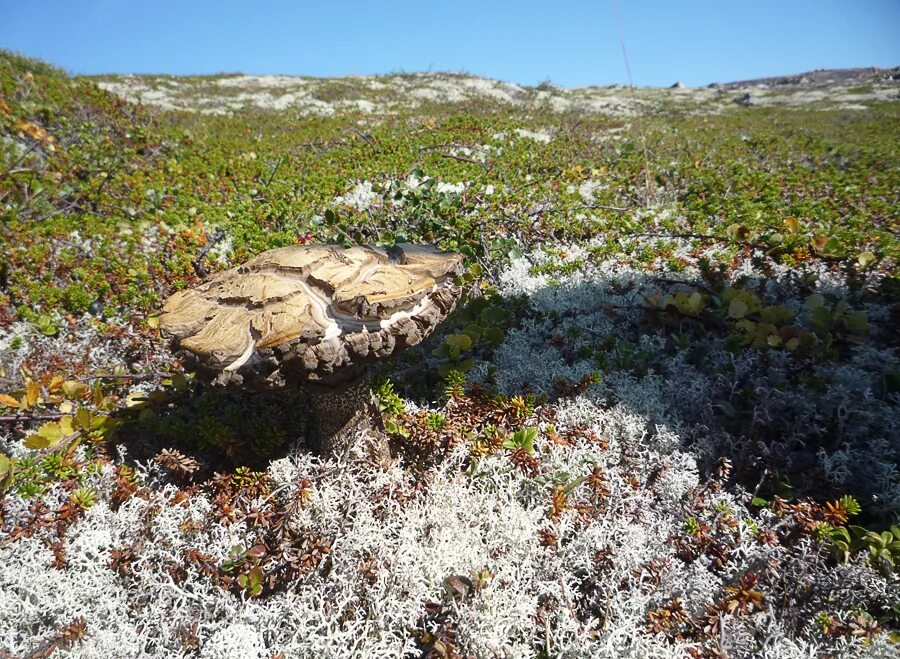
274,171
198,263
637,108
678,282
20,159
462,159
445,145
55,212
694,236
15,418
137,377
20,170
545,211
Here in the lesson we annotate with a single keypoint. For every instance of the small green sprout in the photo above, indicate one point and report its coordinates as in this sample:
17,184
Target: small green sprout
435,420
692,526
388,401
454,380
84,497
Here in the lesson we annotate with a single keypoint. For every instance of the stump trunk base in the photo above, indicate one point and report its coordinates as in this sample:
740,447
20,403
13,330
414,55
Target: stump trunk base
344,414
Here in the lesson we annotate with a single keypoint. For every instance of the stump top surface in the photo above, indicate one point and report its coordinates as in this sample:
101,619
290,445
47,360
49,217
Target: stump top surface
319,306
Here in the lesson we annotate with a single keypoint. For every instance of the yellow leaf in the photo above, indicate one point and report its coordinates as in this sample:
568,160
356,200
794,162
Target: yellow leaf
153,322
47,435
696,302
136,399
819,242
74,389
83,418
66,407
66,425
32,392
792,224
55,384
100,421
865,259
107,404
8,401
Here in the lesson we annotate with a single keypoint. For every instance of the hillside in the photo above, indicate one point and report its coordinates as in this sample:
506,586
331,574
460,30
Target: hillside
392,94
662,422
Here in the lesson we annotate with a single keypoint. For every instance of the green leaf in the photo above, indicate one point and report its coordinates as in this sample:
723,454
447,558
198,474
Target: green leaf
473,331
529,435
737,309
494,316
857,321
459,342
841,534
727,409
46,326
779,315
821,318
833,248
875,540
815,301
492,337
865,259
759,502
392,428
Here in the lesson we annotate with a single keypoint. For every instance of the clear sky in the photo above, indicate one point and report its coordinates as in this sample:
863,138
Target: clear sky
573,43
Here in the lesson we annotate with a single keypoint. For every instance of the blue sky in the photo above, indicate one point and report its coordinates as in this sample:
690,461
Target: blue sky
571,43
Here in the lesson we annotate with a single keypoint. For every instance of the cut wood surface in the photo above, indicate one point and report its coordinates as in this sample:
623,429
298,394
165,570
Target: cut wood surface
317,308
